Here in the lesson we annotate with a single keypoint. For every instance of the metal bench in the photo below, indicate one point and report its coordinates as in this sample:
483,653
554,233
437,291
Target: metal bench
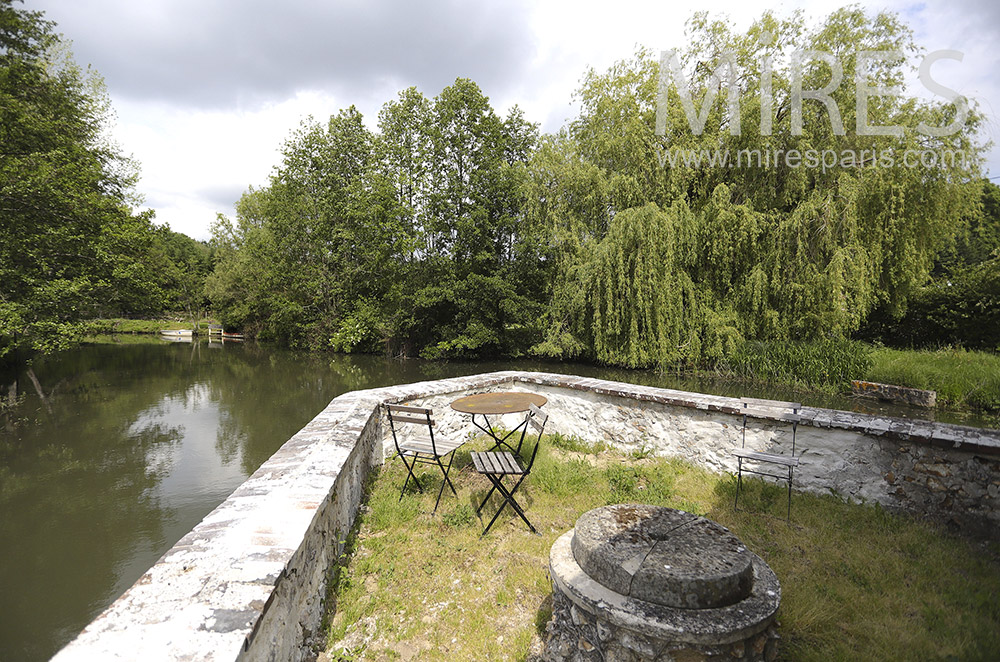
787,412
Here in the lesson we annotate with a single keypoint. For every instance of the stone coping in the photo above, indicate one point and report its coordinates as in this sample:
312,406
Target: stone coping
207,597
983,440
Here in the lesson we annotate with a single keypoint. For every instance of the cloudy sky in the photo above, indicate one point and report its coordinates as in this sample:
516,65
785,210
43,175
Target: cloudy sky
206,91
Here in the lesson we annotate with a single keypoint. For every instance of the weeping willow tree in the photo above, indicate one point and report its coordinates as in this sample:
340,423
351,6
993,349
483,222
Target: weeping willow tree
644,305
766,215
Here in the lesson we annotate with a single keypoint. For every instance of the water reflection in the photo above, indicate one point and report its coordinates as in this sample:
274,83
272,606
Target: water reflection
122,449
119,452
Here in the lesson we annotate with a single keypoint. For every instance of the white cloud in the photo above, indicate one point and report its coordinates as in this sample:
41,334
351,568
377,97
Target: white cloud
207,92
196,163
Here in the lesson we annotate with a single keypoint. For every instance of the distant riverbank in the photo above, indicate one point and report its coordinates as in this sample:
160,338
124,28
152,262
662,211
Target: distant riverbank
119,325
965,381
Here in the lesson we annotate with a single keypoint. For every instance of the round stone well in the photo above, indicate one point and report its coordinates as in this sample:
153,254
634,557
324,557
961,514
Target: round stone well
637,582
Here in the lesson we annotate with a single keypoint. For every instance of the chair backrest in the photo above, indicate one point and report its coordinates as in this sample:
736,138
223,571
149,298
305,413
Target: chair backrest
787,412
536,420
406,414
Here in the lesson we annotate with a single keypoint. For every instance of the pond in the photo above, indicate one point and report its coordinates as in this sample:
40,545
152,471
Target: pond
119,448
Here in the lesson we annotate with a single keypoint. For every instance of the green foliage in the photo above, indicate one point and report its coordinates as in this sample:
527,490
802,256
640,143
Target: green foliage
120,325
406,240
182,265
573,443
643,303
960,377
313,249
830,363
453,232
685,260
70,247
961,303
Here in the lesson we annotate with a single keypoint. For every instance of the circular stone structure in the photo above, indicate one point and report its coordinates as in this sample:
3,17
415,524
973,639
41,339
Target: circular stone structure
637,582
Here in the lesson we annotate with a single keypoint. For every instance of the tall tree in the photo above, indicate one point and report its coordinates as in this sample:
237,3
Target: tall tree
70,247
476,296
311,257
783,248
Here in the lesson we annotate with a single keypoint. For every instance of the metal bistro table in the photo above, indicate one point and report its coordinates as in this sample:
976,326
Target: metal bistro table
498,404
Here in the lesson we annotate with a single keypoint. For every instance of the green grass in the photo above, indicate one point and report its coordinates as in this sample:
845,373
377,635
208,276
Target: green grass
857,582
962,378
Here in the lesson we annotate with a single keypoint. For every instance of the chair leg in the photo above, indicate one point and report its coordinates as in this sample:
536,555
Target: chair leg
493,480
517,507
447,480
788,515
410,474
739,482
508,496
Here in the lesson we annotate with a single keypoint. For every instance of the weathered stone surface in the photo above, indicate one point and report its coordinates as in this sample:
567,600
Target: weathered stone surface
611,544
622,627
662,555
892,393
715,626
695,566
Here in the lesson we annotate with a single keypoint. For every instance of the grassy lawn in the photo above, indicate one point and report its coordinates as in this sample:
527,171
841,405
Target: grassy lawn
857,583
962,378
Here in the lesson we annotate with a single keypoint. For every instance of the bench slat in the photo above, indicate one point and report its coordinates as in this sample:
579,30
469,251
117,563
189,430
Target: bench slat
423,445
767,457
770,404
496,463
772,414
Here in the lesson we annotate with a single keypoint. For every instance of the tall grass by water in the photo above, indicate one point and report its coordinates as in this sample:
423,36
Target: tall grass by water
962,378
121,325
858,583
822,364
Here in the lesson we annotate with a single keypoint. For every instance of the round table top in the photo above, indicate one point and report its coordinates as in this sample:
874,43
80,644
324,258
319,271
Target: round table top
505,402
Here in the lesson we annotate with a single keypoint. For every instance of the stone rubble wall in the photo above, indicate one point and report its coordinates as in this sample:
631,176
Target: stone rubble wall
892,393
249,581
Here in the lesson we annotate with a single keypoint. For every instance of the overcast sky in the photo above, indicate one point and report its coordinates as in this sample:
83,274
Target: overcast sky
206,91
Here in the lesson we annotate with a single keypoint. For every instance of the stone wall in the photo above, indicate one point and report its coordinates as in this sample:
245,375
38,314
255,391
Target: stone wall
639,583
249,581
575,634
947,472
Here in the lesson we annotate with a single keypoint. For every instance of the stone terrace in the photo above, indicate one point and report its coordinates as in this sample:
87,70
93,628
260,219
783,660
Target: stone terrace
248,582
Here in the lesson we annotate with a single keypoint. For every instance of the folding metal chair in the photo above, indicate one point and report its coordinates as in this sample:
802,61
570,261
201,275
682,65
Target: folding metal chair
787,412
421,447
498,465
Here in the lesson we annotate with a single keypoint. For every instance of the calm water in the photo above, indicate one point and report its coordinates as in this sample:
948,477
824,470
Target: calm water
133,444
